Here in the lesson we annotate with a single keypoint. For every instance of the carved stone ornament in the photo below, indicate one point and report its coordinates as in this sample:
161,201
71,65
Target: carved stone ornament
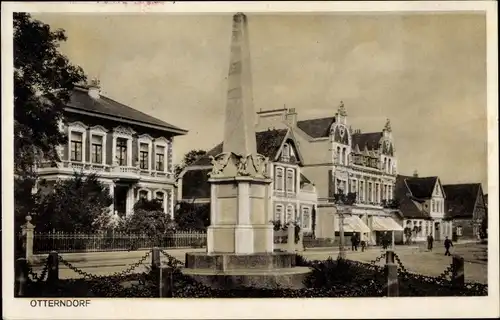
242,164
260,164
219,162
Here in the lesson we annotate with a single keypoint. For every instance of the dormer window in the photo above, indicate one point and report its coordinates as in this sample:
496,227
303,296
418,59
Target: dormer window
285,155
76,146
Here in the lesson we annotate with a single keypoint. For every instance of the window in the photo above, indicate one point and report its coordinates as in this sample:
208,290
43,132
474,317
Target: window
278,181
421,228
459,231
385,164
290,180
433,205
285,157
160,158
344,158
96,149
144,156
278,212
390,166
159,197
143,195
76,146
121,151
290,214
361,191
306,218
370,198
339,156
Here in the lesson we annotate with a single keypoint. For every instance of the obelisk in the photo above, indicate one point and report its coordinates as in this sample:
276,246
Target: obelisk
240,194
240,236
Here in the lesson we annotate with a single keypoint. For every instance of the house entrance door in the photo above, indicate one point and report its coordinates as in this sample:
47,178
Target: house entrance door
437,229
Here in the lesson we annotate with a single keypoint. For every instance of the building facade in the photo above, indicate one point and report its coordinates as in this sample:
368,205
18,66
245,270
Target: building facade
130,151
294,196
339,159
422,203
465,208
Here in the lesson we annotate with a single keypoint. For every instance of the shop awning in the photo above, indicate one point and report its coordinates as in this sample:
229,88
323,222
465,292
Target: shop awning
353,224
385,224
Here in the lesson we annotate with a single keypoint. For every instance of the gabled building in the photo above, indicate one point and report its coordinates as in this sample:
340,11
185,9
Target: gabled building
129,150
466,208
294,196
339,159
422,208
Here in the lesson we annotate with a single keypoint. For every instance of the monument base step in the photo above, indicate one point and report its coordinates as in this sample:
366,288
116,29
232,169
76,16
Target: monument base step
232,261
289,278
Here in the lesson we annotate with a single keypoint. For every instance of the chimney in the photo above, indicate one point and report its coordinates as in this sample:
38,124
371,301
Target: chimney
415,174
94,89
291,117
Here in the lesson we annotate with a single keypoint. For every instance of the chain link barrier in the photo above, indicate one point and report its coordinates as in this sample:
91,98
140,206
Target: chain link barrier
122,273
34,277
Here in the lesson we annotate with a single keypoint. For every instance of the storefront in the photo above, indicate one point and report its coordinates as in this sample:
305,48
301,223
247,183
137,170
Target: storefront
384,227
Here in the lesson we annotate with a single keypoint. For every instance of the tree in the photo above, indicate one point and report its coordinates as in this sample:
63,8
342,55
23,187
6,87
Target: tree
79,204
191,216
43,80
189,159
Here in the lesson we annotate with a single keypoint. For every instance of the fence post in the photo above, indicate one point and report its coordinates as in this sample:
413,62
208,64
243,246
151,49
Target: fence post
300,245
21,273
458,275
155,259
53,268
166,282
291,238
28,231
391,271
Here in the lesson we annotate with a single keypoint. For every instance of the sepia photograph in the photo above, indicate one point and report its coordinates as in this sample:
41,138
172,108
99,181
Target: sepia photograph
249,154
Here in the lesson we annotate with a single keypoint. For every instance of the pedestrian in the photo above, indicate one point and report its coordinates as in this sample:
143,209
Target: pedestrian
430,242
363,245
353,241
356,242
447,245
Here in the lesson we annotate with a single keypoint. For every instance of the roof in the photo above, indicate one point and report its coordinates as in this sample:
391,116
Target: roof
316,128
304,180
268,145
461,199
421,188
408,207
370,139
82,101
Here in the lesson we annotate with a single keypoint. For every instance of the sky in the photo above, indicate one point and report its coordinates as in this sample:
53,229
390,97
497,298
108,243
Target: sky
425,72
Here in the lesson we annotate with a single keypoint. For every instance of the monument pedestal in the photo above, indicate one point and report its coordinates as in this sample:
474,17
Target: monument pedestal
236,271
240,236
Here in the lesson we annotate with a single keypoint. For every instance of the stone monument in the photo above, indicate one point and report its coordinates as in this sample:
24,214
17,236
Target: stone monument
240,237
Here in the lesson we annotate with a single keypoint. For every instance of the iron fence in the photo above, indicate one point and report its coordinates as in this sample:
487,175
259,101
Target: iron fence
114,241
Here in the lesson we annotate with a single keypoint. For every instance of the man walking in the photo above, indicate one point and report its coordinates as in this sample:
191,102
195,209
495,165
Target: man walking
447,245
430,242
353,241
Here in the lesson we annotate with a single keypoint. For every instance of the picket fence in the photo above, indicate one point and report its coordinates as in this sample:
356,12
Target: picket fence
45,242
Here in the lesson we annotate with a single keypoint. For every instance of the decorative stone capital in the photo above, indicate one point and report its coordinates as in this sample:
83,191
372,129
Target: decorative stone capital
230,164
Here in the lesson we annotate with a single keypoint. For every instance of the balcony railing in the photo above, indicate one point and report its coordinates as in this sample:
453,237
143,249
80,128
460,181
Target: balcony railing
127,170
